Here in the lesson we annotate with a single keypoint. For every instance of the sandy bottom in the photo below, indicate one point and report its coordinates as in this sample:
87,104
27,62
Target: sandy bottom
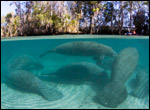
75,96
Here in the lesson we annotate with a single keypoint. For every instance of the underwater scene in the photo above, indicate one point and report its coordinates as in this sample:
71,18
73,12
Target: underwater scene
87,73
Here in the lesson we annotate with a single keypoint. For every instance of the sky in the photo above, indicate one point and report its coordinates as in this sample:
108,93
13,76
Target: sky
5,8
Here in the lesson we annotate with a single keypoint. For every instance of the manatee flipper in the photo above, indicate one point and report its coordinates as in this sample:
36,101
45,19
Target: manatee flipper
112,95
45,53
50,94
99,59
47,74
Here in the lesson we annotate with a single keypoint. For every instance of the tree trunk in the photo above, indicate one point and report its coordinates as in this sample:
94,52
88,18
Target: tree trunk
100,22
111,25
122,18
91,24
91,19
78,27
131,14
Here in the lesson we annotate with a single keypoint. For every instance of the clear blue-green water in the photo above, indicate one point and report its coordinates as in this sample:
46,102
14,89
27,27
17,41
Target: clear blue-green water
74,95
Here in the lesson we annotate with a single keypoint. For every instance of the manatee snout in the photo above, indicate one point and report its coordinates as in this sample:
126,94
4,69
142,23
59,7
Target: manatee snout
112,95
107,103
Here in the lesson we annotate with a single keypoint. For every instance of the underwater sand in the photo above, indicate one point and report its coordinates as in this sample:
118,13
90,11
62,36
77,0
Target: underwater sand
75,96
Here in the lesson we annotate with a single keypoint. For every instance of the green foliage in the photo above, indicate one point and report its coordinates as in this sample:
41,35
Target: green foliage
109,12
49,17
16,22
9,15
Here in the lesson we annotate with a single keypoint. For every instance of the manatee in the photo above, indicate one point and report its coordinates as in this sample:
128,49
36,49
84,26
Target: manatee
141,84
84,48
78,72
27,81
24,62
123,66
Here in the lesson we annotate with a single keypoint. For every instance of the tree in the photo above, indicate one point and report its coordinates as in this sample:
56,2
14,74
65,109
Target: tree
19,12
76,13
11,24
52,17
140,21
90,11
122,7
109,14
3,21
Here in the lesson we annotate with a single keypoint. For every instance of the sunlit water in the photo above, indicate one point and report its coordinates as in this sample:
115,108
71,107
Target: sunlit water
74,95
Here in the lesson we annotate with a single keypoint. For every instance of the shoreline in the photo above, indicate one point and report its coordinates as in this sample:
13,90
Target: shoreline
72,37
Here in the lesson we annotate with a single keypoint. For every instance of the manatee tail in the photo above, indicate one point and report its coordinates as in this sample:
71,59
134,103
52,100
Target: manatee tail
50,94
45,53
141,91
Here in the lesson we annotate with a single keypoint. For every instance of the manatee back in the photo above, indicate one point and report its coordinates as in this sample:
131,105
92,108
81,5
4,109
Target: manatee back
77,48
84,48
91,67
23,62
19,62
27,81
72,72
124,64
24,79
81,69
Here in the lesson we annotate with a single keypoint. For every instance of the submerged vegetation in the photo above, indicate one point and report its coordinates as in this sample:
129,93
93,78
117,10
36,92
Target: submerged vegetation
89,17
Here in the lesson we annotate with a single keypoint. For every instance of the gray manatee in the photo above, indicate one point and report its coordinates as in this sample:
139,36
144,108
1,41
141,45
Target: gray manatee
141,84
76,72
84,48
27,81
24,62
123,66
